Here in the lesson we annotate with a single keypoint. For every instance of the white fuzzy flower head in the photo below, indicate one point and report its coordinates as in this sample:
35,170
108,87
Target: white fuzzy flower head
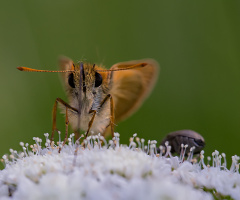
100,170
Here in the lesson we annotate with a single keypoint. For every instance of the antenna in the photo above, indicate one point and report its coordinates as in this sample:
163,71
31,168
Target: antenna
140,65
26,69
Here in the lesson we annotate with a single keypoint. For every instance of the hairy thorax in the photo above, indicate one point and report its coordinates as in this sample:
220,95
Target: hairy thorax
89,103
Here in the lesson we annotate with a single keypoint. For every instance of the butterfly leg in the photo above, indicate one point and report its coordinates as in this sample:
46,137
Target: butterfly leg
91,121
76,134
54,117
108,97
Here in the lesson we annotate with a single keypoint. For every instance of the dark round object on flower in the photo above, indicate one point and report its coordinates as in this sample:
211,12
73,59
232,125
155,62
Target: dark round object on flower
185,137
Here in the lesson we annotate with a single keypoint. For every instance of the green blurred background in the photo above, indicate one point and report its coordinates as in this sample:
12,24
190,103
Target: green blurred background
197,44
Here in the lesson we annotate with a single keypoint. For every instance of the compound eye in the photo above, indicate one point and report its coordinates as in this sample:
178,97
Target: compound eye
71,80
98,79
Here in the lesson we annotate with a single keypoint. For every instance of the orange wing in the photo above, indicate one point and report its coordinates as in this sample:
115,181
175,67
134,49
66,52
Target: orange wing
131,87
65,63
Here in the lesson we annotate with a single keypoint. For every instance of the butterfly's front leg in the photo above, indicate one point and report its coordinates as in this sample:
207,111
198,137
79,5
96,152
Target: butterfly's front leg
54,117
108,97
91,121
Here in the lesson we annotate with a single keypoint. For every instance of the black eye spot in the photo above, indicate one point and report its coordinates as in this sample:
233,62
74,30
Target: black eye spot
71,80
98,79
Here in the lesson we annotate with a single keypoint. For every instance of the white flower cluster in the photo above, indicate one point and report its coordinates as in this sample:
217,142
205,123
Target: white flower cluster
100,170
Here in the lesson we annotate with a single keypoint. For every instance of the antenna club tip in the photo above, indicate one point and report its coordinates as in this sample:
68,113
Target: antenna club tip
20,68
